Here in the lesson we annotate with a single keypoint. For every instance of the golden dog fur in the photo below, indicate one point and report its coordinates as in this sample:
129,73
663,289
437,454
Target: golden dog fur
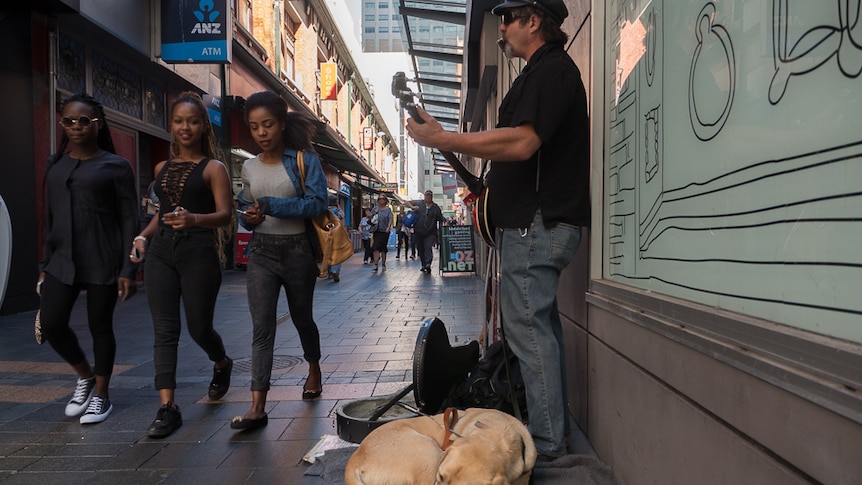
487,447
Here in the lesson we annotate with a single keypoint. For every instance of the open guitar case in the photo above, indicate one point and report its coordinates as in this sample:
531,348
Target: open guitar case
437,368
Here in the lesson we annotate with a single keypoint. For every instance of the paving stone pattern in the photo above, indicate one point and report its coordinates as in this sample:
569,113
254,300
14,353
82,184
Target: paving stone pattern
368,324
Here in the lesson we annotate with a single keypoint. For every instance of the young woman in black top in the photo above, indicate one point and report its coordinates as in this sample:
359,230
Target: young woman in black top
183,257
90,212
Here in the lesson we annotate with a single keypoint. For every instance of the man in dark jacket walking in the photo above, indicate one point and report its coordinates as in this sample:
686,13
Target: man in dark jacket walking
425,231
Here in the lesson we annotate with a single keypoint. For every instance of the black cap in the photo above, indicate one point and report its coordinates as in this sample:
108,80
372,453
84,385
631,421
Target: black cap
555,8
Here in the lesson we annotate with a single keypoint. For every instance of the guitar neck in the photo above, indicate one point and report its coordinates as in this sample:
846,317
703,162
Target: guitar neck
474,183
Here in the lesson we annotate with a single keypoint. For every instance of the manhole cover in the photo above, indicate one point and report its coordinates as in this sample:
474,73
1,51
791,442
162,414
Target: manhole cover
279,362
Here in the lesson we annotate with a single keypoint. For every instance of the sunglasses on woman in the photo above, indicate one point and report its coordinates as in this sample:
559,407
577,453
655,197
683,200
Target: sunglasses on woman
82,121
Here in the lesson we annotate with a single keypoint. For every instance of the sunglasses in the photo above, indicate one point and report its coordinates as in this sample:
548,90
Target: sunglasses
509,16
82,121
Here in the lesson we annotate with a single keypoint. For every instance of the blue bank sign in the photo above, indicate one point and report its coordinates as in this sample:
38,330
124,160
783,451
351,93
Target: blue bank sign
196,31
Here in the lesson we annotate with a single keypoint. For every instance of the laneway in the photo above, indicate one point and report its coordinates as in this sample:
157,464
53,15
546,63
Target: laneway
368,324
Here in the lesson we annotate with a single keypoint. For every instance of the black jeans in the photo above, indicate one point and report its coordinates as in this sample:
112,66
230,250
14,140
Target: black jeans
275,262
182,265
56,309
402,242
425,245
369,253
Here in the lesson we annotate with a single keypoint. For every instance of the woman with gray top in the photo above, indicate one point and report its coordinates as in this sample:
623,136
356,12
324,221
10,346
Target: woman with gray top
277,204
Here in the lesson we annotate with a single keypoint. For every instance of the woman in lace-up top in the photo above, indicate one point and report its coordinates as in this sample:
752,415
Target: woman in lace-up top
183,257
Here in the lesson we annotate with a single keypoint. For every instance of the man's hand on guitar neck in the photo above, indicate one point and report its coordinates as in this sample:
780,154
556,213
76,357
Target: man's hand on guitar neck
499,144
429,132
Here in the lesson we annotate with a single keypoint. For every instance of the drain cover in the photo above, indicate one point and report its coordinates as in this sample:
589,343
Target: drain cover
279,362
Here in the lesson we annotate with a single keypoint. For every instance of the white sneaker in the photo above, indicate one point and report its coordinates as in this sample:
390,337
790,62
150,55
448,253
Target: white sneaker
81,399
97,411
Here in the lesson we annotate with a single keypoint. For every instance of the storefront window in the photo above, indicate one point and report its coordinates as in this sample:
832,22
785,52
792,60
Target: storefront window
116,86
733,157
71,65
155,104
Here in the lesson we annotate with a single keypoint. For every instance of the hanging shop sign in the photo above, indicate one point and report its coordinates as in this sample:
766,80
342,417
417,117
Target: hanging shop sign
328,80
196,31
367,138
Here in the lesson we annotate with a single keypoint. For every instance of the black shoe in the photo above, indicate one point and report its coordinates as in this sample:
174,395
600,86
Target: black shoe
248,424
221,381
335,277
168,419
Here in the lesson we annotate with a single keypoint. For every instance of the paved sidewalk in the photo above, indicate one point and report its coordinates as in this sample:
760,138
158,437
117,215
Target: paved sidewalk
368,324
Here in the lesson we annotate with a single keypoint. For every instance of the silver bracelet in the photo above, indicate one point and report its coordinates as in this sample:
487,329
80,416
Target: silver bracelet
139,238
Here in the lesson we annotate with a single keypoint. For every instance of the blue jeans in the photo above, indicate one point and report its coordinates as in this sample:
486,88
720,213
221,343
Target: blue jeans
182,265
531,261
275,262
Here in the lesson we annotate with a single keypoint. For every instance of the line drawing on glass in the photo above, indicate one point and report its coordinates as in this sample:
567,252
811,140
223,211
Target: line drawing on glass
758,208
713,58
816,46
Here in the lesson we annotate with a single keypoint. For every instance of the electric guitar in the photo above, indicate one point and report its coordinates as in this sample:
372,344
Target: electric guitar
476,185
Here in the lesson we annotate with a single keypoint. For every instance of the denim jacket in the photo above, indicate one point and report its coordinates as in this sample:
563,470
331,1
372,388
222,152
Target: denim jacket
312,202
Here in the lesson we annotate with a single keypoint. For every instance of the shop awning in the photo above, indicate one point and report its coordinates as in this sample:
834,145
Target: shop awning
334,151
327,142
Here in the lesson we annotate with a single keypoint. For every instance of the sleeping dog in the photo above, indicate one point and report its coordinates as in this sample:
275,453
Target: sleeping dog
471,447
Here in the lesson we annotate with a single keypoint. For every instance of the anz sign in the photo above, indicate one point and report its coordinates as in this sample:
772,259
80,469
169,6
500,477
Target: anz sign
196,31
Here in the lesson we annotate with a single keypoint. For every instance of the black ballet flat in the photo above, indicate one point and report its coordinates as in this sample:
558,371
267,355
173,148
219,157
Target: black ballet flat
248,424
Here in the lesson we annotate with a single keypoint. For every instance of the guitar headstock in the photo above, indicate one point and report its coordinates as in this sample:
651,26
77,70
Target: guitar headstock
405,95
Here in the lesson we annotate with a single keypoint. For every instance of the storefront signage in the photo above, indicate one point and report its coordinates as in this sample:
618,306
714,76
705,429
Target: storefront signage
196,31
367,138
457,249
328,80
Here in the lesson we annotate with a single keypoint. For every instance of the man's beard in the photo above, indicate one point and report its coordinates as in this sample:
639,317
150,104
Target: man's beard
505,47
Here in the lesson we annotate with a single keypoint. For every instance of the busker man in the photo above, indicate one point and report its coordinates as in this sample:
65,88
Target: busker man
425,230
538,196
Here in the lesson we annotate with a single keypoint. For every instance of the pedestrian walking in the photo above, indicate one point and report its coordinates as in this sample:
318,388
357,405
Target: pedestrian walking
91,214
278,204
365,234
334,270
401,234
183,256
426,229
381,223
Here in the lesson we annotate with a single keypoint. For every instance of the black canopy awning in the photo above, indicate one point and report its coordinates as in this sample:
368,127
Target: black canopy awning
336,152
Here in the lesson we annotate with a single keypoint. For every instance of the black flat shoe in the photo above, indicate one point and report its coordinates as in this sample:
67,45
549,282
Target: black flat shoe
248,424
221,381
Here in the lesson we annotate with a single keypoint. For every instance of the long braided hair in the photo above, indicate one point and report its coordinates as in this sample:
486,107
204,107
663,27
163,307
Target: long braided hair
104,138
211,149
209,143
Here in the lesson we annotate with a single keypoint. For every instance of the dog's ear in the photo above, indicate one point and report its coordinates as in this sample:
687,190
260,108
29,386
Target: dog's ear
529,452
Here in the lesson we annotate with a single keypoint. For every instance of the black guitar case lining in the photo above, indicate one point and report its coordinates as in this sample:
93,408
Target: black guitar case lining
437,367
